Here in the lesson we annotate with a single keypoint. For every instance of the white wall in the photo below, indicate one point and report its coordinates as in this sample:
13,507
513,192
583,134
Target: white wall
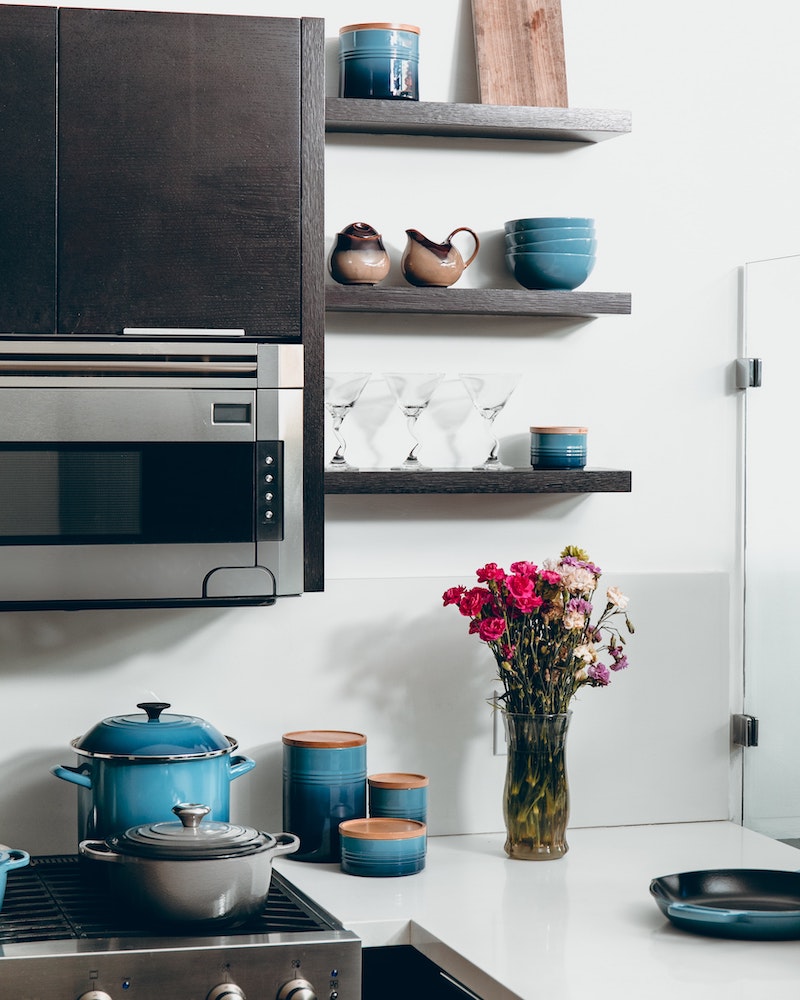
704,182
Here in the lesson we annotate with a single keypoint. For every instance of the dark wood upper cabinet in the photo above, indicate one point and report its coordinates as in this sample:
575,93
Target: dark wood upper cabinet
177,196
179,172
27,169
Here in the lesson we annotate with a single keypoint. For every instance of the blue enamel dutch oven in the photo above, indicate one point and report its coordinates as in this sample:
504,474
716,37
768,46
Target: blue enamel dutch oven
134,768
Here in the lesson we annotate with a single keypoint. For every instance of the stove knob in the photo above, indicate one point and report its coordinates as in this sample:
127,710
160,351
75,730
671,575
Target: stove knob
95,995
297,989
226,991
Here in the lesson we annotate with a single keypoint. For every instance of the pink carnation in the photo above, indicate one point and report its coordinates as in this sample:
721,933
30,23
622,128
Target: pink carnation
490,629
598,672
452,595
524,568
491,571
472,601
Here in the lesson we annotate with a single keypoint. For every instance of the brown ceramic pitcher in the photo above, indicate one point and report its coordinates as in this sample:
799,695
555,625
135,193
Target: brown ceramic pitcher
436,265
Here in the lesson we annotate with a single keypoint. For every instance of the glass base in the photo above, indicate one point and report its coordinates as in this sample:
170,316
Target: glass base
492,467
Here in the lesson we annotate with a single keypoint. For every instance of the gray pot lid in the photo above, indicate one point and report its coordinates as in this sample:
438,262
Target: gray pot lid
153,733
190,838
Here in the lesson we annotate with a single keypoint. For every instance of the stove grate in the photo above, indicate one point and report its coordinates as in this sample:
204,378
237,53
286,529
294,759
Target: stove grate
61,896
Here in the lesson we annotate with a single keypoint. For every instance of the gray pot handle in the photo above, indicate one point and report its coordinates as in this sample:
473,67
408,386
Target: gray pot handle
98,850
287,843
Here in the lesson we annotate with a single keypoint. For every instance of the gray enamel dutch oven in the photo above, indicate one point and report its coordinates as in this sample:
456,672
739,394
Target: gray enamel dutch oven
194,871
134,768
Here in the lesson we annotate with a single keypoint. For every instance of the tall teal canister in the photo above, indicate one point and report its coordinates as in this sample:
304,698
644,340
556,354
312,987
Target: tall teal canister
379,60
324,784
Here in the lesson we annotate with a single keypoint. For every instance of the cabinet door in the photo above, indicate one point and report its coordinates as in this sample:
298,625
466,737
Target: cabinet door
27,169
179,172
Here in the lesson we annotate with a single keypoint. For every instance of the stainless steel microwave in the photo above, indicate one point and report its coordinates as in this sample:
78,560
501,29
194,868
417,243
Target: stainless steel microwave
149,472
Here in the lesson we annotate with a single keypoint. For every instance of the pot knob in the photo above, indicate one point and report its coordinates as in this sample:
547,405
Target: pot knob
297,989
95,995
226,991
191,814
153,709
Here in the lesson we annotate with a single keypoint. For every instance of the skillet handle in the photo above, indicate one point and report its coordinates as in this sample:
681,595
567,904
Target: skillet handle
706,914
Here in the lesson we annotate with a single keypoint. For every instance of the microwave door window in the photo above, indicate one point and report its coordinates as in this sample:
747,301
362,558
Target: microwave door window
126,494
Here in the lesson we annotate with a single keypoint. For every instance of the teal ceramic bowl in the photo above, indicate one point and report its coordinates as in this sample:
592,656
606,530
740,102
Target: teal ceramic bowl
529,237
549,222
557,246
558,447
382,847
563,271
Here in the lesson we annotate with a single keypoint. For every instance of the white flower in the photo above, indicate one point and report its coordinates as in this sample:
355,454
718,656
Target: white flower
585,652
617,598
576,579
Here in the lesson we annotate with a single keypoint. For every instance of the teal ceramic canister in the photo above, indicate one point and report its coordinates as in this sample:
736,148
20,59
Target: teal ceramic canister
379,60
398,795
382,847
324,784
558,447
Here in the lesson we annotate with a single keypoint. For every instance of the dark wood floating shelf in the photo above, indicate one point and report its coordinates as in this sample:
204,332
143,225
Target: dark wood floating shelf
467,481
481,121
479,301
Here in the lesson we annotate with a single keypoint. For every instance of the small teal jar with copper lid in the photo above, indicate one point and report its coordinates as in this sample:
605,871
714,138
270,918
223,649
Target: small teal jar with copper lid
324,784
382,847
398,795
379,61
558,447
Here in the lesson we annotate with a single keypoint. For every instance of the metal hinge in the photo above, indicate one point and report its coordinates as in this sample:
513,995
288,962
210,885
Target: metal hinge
744,730
748,373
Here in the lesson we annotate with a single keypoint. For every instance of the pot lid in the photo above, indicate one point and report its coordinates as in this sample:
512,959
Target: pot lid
153,733
190,839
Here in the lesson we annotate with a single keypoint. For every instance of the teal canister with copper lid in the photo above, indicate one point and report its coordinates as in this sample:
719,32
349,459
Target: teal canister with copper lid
398,795
558,447
324,784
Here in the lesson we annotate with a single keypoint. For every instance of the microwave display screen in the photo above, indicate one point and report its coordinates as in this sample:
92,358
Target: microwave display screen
127,493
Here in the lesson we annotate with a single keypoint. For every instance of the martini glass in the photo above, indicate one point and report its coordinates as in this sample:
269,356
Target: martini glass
489,394
413,393
342,390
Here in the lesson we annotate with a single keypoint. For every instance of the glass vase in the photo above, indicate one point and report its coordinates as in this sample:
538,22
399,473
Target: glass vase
536,794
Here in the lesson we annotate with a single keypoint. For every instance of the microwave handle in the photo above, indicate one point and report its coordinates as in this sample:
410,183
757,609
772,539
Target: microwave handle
87,367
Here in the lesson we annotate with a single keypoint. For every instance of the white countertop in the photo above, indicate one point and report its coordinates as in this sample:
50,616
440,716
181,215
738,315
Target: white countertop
571,928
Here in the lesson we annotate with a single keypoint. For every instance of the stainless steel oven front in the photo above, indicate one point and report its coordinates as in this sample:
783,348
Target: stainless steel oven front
139,473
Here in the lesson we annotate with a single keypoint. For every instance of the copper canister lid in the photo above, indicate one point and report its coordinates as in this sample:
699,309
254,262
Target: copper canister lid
382,828
380,25
325,738
559,430
397,779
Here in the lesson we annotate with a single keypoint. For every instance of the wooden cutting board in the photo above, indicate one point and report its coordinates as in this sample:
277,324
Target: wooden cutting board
519,46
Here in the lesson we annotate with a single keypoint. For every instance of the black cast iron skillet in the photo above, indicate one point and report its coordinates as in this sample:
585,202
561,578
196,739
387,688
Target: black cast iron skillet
749,903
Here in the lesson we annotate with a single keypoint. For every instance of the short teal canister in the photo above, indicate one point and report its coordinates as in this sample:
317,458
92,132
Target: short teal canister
379,60
558,447
381,847
324,783
398,795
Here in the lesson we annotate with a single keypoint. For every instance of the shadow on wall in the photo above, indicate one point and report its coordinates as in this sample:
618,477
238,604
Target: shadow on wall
66,641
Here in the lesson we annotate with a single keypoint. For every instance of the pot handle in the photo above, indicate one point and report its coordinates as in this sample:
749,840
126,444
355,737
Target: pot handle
97,850
241,765
73,774
287,843
16,859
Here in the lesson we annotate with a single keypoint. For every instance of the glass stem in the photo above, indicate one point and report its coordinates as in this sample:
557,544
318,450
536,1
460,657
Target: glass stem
411,423
338,458
495,443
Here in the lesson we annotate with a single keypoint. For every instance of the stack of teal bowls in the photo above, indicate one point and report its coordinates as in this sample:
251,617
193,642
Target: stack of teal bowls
555,252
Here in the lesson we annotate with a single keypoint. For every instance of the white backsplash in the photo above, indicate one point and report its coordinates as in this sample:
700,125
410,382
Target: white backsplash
381,657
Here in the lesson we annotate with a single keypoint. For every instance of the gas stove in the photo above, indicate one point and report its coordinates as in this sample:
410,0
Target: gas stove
64,937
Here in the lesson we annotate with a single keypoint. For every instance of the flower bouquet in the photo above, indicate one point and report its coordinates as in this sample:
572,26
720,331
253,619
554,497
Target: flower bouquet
537,621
